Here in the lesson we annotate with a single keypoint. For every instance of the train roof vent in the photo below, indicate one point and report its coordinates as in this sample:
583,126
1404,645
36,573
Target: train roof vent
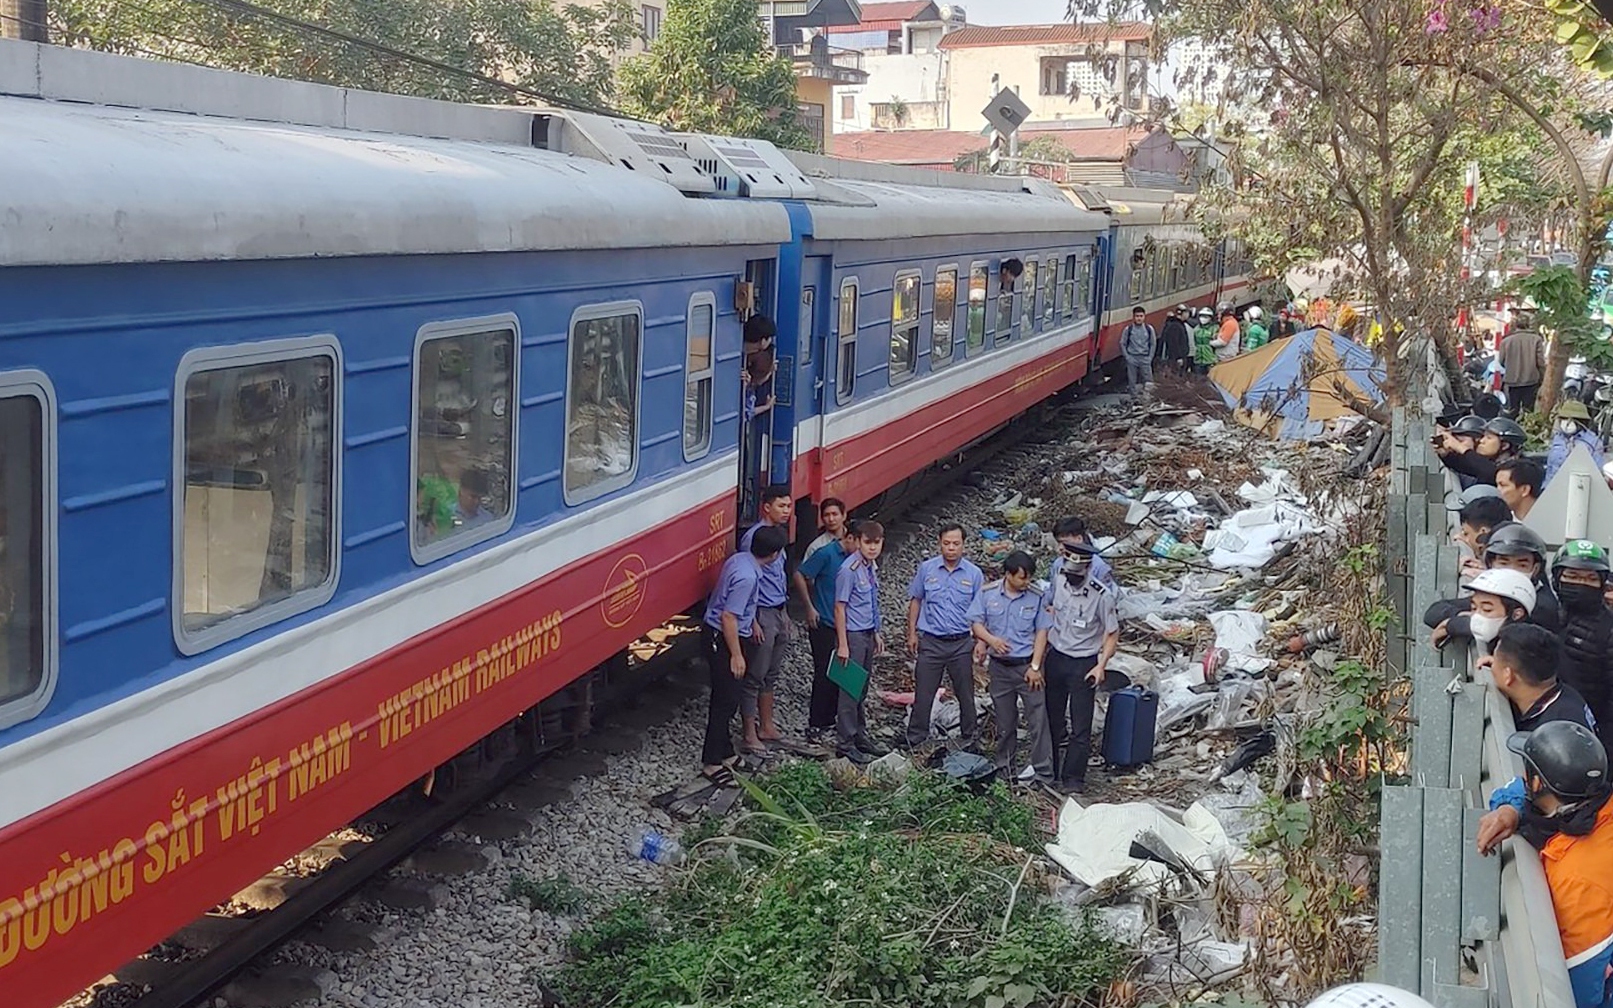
642,147
759,168
1091,198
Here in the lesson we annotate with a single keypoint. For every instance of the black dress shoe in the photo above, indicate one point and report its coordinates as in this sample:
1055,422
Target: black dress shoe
872,748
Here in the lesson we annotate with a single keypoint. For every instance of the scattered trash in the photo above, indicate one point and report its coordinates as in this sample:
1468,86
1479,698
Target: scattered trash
1313,638
1126,923
889,768
649,844
1245,755
1206,962
968,767
1095,844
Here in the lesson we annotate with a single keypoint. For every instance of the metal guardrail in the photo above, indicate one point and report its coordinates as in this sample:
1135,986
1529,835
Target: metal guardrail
1461,930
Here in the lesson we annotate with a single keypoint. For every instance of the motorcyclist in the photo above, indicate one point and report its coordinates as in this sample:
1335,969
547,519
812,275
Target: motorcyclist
1499,597
1560,806
1255,334
1467,432
1579,573
1573,427
1503,438
1367,995
1514,546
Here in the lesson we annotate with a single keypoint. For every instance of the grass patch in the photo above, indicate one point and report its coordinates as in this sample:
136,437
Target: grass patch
921,895
554,895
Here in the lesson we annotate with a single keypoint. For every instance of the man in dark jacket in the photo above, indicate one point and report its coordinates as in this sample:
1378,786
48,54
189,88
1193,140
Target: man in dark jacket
1503,439
1524,668
1579,572
1175,343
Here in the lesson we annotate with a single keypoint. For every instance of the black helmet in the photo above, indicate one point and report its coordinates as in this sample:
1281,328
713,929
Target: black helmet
1566,755
1507,430
1470,424
1515,539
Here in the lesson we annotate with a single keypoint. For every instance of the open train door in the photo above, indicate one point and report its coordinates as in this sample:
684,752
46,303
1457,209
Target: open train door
756,433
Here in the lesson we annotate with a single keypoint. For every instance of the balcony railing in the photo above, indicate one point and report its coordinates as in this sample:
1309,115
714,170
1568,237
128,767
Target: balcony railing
817,59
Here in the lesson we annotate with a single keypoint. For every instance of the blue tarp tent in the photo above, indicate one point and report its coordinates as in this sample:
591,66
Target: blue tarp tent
1292,387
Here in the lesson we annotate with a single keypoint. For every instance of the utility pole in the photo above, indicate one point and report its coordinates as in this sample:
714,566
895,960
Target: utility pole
25,19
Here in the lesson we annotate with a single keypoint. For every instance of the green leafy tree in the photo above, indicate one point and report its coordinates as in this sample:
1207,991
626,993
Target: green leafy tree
713,70
563,53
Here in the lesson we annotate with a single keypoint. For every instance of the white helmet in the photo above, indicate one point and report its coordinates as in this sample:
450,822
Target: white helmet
1368,995
1508,584
1253,314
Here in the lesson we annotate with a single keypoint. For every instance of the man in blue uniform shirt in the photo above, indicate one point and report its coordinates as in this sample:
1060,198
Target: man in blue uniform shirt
1011,621
756,706
730,631
939,633
857,637
1084,635
815,579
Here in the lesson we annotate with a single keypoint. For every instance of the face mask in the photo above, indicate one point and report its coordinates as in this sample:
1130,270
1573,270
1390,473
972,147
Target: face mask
1076,573
1580,598
1568,427
1485,628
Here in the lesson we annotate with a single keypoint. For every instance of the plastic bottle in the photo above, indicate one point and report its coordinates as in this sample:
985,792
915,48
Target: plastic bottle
652,845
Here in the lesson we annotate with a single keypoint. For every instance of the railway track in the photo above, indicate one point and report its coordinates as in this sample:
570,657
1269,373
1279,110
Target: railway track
209,956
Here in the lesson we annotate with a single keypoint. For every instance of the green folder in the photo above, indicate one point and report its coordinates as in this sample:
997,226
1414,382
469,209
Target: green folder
849,676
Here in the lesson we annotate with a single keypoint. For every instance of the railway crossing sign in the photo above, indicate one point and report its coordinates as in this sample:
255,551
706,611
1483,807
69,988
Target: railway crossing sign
1006,112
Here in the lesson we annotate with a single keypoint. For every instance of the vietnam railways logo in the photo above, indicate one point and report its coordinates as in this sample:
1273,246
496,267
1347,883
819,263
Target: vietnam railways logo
624,590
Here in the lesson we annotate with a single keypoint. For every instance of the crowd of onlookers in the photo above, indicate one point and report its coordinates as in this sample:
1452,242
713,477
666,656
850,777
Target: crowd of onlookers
1542,624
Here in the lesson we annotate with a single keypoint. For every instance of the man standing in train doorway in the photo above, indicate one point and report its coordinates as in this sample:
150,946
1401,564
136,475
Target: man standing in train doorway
773,627
1137,342
940,634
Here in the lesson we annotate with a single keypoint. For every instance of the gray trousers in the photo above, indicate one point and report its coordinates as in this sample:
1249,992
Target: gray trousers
1139,372
761,675
851,724
955,660
1008,692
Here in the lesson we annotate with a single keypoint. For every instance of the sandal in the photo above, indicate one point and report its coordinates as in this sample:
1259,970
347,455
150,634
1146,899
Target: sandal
723,777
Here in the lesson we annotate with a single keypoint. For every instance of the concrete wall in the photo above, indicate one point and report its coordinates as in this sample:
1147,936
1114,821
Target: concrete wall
815,91
916,78
637,45
1019,68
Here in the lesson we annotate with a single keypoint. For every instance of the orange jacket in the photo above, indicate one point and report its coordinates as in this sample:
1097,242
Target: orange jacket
1579,871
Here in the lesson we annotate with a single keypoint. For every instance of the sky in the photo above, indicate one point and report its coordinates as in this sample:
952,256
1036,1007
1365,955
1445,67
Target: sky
1006,12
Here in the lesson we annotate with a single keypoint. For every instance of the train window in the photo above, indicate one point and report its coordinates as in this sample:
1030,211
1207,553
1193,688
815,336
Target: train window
1050,292
905,323
1067,306
979,276
1027,318
809,300
256,513
1003,328
699,331
1176,268
464,434
945,312
846,340
1084,302
602,388
27,557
